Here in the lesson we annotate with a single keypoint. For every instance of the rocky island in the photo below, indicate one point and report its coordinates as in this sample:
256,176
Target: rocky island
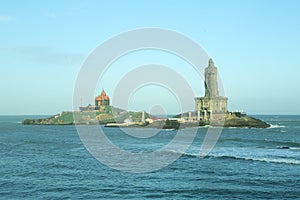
209,110
135,119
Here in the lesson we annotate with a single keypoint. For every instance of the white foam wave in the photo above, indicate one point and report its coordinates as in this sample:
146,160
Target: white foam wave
261,159
245,157
275,160
276,126
294,148
171,129
183,153
205,126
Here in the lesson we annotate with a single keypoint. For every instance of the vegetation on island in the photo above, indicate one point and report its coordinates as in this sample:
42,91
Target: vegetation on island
109,114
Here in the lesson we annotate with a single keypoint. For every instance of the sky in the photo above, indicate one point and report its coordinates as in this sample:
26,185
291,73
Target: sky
255,45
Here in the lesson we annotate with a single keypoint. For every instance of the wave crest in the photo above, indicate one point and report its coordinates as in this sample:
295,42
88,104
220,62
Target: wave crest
248,158
276,126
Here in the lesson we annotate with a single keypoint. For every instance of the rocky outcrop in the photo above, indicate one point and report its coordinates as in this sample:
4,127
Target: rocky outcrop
109,115
245,121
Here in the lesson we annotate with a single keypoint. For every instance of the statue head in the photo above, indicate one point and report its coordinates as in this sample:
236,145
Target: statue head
211,63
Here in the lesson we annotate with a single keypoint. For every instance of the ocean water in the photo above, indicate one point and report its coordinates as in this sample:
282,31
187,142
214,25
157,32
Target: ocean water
51,162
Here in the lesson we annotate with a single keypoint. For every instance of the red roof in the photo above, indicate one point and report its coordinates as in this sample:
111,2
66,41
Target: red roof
102,96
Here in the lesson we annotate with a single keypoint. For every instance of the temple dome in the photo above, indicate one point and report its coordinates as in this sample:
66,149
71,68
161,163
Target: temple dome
102,96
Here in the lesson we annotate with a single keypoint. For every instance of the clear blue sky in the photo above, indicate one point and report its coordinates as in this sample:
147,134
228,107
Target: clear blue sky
255,45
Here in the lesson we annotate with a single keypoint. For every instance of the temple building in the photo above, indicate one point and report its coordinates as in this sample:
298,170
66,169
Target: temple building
101,101
211,106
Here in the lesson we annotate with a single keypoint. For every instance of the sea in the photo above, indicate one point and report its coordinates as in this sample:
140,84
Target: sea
52,162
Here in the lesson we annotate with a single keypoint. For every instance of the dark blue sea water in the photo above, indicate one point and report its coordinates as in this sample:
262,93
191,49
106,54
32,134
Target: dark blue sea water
51,162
